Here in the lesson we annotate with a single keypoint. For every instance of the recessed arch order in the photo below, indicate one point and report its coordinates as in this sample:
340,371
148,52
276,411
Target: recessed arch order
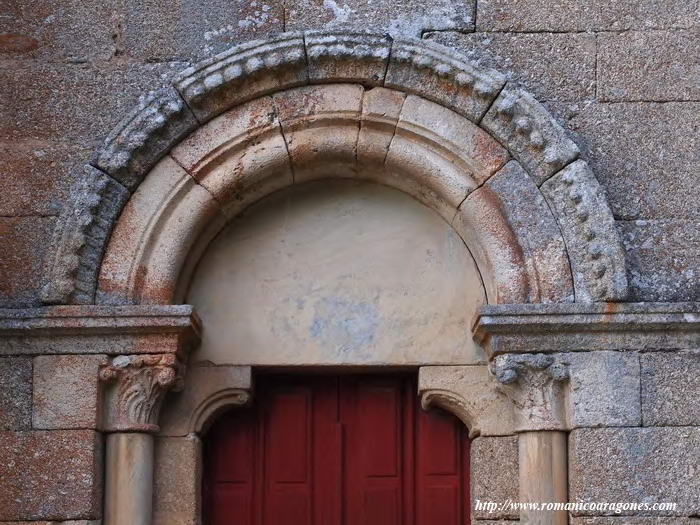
264,115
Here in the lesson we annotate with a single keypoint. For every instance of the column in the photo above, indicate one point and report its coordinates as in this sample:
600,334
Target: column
537,386
135,388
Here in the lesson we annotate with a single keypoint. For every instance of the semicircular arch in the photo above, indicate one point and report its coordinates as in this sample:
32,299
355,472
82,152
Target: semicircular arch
410,114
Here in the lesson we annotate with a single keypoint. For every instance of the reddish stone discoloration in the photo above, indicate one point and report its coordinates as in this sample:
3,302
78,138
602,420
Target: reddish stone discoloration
505,255
23,241
490,152
36,175
501,229
17,43
50,475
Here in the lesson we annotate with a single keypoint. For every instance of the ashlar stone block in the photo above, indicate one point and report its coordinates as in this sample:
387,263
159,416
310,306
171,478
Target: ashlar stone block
648,65
604,389
494,474
670,387
636,465
67,391
177,480
50,475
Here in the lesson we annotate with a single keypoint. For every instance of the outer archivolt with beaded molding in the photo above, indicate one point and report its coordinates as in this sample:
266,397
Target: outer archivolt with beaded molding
257,69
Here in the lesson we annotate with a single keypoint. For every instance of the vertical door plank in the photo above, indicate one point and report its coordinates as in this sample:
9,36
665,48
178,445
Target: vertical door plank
288,480
439,469
327,453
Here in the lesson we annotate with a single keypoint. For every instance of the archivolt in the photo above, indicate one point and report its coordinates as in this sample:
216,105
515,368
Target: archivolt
409,114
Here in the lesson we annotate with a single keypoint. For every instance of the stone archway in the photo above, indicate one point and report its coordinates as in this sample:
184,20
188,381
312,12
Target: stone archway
470,95
408,114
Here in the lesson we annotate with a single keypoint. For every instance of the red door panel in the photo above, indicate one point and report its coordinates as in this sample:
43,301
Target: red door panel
348,450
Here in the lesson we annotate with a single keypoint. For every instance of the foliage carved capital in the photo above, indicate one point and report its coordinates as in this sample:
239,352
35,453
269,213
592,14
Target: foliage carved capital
135,388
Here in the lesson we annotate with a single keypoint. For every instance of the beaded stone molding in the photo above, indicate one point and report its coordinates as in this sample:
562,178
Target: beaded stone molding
260,68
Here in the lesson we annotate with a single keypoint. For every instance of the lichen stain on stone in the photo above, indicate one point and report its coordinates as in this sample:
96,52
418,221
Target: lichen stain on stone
341,14
345,324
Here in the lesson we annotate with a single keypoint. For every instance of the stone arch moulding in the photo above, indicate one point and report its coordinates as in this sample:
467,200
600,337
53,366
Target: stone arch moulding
266,114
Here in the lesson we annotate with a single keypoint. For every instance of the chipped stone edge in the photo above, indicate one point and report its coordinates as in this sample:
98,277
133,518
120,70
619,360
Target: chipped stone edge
160,121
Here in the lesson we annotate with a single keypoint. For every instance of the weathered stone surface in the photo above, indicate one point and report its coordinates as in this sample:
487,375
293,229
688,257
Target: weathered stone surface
650,465
531,265
66,391
239,157
663,259
592,241
77,104
604,389
530,133
437,73
98,330
566,327
177,481
158,30
80,238
131,273
478,152
135,387
553,66
651,65
15,393
208,391
306,115
50,475
411,18
138,142
347,57
584,15
24,241
380,112
670,381
36,176
645,154
470,393
238,75
494,474
536,384
451,158
477,521
66,30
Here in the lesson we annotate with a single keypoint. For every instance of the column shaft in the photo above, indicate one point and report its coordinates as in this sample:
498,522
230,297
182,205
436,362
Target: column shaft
543,475
129,479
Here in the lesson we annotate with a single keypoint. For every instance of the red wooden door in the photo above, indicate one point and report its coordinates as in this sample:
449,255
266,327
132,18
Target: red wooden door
348,450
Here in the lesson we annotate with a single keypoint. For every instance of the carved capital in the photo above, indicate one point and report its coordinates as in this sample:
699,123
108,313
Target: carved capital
537,386
136,387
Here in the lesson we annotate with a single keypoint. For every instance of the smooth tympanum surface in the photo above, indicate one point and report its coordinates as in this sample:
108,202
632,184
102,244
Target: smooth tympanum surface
337,272
351,450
